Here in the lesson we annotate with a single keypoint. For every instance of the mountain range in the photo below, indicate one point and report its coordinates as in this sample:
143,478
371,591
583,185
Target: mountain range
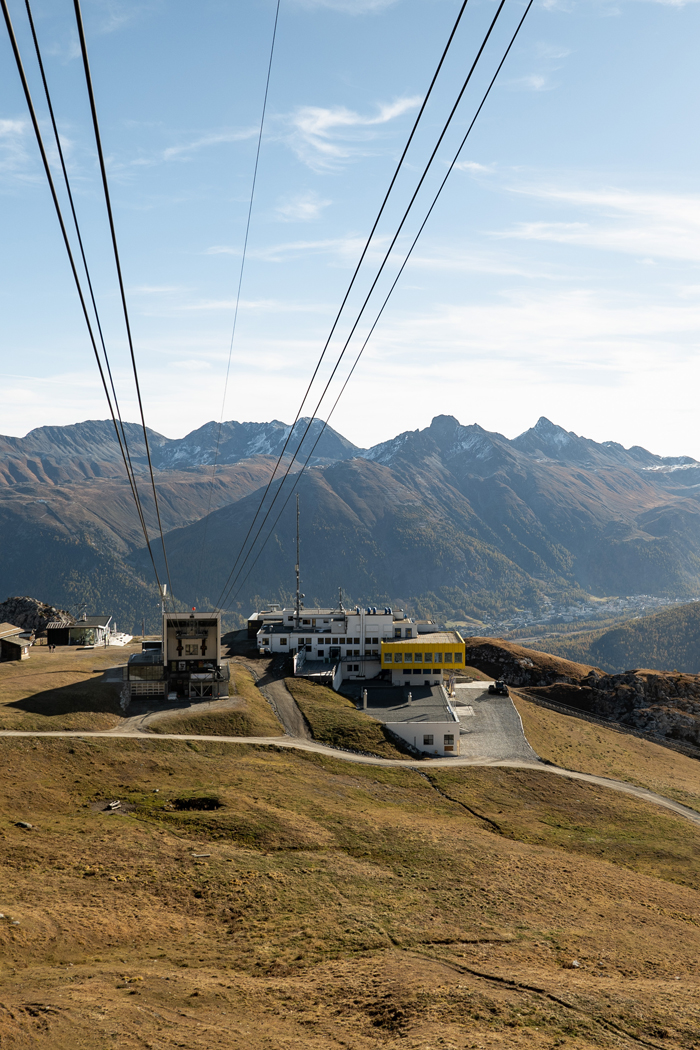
451,520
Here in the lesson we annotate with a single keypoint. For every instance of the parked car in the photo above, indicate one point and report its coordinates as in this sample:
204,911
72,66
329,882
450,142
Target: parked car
499,688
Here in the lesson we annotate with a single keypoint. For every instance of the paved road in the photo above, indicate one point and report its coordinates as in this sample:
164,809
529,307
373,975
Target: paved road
366,760
491,728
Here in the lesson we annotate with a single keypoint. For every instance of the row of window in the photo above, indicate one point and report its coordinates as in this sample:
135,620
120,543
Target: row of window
418,670
372,654
422,658
429,740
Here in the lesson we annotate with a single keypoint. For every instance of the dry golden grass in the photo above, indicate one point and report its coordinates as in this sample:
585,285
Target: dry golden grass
248,715
334,720
575,744
65,689
337,906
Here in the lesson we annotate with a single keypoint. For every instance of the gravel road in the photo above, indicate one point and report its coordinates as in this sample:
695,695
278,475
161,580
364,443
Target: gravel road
491,728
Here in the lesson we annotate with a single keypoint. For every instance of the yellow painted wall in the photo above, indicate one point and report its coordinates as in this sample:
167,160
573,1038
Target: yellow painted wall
418,645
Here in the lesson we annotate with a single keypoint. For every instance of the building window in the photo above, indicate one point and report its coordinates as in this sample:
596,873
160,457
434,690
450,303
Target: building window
438,658
458,658
341,641
407,683
408,658
427,658
266,641
356,641
306,622
397,632
356,652
398,658
448,658
409,632
320,652
449,738
387,658
283,641
191,650
428,740
309,641
417,670
368,641
375,641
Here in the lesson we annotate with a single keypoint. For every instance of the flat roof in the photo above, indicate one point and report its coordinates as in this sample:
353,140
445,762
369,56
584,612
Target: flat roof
317,667
290,628
436,638
428,704
91,621
148,656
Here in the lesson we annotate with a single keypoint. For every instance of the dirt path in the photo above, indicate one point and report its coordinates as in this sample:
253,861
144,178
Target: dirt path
366,760
271,685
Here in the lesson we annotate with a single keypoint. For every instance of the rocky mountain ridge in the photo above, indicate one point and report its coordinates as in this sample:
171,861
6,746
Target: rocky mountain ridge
663,704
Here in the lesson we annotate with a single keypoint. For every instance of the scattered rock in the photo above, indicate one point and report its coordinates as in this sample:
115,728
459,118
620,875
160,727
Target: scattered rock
24,824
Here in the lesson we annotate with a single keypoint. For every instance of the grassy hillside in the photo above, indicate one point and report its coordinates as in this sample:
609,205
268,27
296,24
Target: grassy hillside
247,713
257,898
665,641
334,720
573,743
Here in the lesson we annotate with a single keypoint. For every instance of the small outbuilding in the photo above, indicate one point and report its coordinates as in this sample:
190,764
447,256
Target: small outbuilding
89,630
12,645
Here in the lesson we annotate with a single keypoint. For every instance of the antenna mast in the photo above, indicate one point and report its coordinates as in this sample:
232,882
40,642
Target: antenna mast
298,602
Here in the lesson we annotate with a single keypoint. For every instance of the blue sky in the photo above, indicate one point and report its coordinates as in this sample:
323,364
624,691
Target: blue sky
558,275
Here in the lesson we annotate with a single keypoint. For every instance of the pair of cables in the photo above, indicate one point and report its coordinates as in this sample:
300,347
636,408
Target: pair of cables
232,579
92,320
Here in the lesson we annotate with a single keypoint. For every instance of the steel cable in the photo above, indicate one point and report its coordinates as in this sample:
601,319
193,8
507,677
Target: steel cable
350,287
298,476
369,294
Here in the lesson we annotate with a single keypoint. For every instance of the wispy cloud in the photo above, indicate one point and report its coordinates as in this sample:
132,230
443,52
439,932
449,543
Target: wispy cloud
213,138
474,167
323,137
643,224
302,208
349,7
346,248
13,151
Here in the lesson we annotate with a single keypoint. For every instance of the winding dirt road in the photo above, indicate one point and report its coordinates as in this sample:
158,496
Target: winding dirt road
367,760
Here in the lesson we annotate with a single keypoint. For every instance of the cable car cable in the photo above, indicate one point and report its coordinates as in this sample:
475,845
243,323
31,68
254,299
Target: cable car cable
125,310
369,294
298,477
131,474
238,293
66,241
354,276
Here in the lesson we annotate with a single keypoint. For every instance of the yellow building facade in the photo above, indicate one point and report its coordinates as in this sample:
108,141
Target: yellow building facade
422,660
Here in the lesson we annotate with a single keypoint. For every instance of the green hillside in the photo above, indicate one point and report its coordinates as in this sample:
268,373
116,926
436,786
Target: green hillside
665,641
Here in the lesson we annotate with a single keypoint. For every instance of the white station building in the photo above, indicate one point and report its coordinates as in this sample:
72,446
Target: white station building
352,639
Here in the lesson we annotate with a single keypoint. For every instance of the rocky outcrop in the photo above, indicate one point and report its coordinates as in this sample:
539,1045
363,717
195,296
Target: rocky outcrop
660,703
30,614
